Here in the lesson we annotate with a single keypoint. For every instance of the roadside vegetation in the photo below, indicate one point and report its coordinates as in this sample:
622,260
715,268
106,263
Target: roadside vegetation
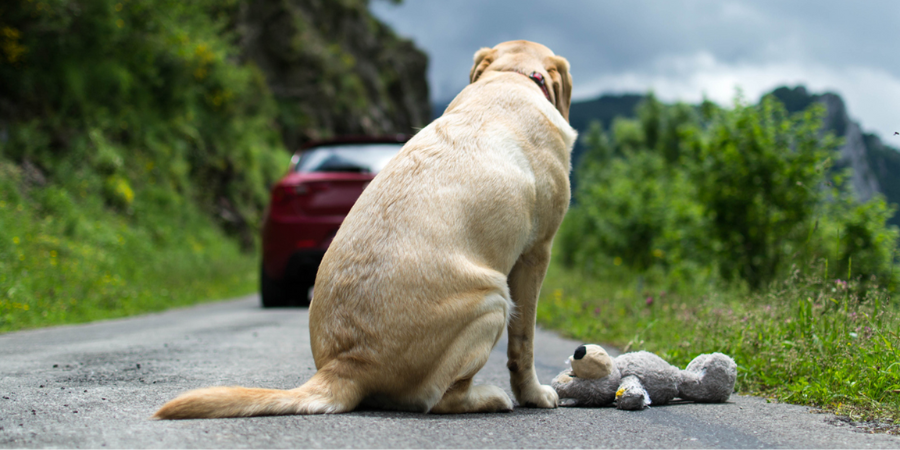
705,229
135,151
138,140
66,258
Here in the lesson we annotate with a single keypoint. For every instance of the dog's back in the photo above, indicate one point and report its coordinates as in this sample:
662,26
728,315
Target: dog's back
448,217
412,294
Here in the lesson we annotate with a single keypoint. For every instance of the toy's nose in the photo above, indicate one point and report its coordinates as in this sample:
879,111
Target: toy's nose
580,352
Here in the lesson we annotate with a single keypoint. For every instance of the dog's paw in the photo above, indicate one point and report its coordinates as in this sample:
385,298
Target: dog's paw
542,396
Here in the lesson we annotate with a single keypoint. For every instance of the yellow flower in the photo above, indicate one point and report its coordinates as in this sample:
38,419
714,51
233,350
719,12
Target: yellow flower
617,261
16,240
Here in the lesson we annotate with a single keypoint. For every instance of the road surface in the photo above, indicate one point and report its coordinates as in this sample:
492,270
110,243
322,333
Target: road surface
96,386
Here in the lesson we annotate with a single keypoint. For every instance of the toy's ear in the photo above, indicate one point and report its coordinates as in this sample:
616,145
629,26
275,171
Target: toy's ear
591,362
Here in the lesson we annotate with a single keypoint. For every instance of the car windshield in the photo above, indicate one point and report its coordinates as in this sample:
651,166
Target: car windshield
360,158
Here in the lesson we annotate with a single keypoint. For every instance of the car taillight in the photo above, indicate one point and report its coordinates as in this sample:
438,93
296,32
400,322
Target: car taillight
283,193
305,243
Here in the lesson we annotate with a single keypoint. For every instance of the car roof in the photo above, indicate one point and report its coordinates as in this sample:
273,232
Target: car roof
357,139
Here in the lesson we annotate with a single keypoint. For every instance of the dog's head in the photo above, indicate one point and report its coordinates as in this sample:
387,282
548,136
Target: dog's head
528,58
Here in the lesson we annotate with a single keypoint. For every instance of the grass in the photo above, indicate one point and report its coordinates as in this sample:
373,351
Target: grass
830,344
67,257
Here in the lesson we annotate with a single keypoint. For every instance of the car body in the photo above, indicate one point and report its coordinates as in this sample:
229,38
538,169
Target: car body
306,209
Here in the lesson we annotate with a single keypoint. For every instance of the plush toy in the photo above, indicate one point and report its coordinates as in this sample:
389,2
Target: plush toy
636,380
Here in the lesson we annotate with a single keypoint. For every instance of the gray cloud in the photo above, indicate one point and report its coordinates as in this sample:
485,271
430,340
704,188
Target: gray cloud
674,46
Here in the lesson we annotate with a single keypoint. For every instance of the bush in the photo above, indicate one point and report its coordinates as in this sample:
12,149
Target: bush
743,194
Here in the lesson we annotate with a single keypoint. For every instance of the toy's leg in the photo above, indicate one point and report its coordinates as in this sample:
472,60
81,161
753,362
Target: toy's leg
524,285
631,394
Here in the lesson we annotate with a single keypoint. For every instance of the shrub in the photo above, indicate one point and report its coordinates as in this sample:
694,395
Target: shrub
740,194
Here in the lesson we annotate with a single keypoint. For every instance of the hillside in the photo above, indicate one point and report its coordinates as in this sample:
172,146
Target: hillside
138,139
333,68
603,109
875,165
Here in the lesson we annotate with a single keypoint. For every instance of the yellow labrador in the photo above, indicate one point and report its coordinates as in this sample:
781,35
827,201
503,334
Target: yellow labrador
447,246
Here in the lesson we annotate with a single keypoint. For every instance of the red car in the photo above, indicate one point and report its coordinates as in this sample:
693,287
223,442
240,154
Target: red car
307,207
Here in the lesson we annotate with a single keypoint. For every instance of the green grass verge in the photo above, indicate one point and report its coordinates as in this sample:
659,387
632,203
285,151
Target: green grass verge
66,257
822,343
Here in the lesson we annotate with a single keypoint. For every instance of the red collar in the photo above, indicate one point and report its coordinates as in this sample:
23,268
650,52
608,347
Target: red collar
539,80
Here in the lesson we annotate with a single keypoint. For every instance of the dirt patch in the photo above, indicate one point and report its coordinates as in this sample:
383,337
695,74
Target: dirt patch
120,368
869,427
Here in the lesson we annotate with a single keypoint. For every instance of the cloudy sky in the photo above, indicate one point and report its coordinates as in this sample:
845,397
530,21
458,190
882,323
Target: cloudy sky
681,49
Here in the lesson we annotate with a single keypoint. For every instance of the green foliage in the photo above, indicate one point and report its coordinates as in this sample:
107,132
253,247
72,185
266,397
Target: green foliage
758,174
131,135
639,213
66,257
688,196
139,94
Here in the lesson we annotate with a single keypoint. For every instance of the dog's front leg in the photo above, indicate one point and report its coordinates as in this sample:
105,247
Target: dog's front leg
524,286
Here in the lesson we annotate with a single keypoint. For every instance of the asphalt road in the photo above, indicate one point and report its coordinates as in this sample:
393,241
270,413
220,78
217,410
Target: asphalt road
96,386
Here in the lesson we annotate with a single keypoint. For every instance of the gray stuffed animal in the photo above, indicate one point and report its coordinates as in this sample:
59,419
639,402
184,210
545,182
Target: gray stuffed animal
636,380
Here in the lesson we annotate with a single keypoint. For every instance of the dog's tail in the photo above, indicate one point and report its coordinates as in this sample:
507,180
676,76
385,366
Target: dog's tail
322,394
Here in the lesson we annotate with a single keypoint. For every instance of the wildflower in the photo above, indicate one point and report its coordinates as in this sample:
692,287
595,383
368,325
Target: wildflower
596,312
649,301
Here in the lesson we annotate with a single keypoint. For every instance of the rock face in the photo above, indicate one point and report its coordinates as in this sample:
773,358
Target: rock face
875,165
334,69
854,151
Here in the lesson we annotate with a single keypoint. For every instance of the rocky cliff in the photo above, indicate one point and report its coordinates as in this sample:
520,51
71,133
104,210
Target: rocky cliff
334,69
875,165
854,152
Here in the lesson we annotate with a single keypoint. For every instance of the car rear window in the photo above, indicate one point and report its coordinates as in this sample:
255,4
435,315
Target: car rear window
360,158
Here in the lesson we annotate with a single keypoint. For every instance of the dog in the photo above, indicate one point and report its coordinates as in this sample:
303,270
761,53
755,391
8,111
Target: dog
446,248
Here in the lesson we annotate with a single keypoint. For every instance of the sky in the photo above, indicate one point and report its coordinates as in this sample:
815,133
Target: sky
680,49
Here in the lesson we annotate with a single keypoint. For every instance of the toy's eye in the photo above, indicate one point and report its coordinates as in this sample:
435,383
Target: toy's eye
580,352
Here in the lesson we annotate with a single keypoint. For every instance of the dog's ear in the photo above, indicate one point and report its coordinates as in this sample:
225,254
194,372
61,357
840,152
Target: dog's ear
483,58
558,68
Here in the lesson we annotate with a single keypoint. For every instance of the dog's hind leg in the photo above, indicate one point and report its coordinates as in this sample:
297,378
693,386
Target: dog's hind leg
467,355
524,285
463,397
